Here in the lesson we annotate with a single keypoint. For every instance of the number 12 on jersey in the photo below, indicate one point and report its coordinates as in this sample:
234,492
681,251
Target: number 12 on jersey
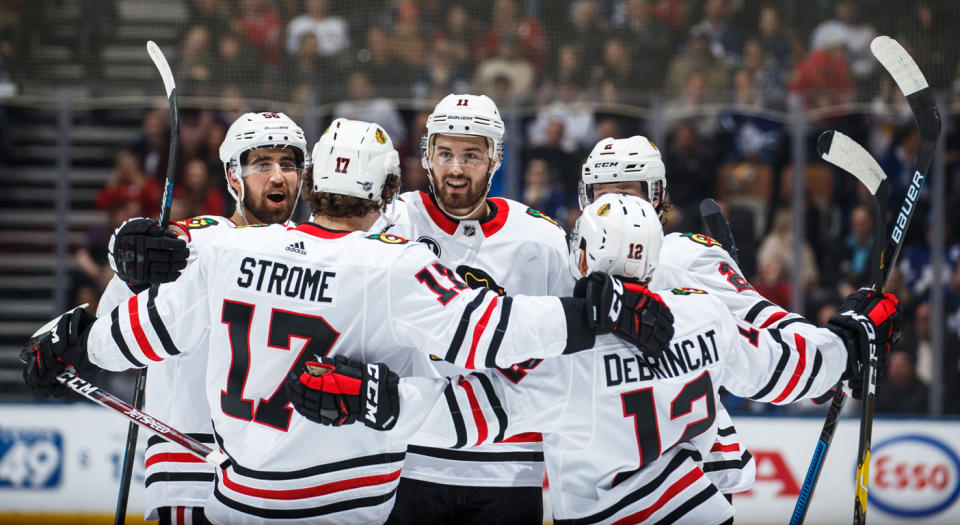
641,406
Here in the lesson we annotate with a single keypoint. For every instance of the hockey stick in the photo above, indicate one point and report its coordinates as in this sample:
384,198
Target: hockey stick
81,386
849,155
923,104
843,152
719,227
130,449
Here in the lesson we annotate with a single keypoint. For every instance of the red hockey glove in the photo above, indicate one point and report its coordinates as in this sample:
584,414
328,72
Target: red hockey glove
866,319
340,391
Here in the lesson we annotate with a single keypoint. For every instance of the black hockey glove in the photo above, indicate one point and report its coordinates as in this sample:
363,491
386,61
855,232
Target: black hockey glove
340,391
631,311
48,354
866,318
142,253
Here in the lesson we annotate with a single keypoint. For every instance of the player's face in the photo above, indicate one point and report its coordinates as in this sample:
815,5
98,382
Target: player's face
634,187
460,169
270,178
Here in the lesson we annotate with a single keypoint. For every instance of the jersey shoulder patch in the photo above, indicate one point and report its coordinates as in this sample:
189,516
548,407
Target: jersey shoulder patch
197,223
688,291
540,215
388,238
700,238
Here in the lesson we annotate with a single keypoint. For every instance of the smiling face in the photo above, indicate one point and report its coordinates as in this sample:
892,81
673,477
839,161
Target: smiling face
270,179
460,168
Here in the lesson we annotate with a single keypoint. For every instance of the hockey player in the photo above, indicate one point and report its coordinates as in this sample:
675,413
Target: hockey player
263,157
623,433
633,166
269,299
494,243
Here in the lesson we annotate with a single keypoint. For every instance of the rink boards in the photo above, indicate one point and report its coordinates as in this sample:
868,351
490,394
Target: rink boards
65,459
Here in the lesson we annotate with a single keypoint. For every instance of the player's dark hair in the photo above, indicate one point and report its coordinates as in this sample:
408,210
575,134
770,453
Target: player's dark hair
340,206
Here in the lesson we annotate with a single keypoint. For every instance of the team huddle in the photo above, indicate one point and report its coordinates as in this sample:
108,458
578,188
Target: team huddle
426,357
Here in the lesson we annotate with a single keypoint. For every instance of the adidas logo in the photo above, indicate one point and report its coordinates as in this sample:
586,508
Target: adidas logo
297,248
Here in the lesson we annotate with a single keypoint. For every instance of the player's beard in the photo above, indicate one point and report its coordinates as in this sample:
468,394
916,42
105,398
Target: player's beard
463,201
260,209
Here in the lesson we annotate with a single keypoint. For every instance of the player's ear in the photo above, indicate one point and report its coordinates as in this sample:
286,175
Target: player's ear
583,262
235,182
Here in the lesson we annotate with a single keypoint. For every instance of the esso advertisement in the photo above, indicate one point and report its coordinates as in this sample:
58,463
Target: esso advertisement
914,471
913,476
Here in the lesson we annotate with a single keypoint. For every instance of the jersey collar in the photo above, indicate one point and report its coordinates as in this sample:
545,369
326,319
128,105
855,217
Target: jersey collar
320,231
491,224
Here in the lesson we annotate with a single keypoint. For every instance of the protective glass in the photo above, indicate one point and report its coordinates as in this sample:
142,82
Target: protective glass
468,160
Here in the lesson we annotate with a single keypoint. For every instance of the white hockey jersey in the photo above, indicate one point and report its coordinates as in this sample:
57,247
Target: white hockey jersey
176,394
271,298
515,250
695,260
624,433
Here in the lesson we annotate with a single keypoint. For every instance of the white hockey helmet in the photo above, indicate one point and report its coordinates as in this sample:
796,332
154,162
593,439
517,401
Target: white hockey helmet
354,158
624,160
260,130
621,235
470,115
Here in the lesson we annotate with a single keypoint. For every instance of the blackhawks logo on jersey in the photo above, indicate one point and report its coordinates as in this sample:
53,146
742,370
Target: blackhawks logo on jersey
700,238
197,223
477,278
687,291
388,238
540,215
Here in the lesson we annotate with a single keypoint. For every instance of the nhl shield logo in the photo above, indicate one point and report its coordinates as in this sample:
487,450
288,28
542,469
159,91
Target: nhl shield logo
430,243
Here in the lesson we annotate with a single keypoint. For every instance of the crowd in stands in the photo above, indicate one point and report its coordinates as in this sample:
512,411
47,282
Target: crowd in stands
724,76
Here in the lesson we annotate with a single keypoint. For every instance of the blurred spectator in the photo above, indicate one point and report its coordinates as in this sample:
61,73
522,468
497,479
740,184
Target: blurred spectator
747,133
331,32
440,75
899,390
543,192
698,59
306,66
153,145
198,193
691,102
196,59
527,31
778,43
917,267
853,36
213,14
577,118
408,37
778,245
584,30
725,40
506,62
889,112
389,78
822,79
99,21
855,259
920,343
690,163
459,35
650,42
616,71
233,63
363,106
127,182
260,26
563,166
607,127
771,281
91,257
898,162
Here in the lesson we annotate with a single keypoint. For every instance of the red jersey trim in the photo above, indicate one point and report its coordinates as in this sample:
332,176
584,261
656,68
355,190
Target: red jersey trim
720,447
798,371
171,457
320,231
475,408
478,332
489,225
309,492
638,517
526,437
773,318
142,341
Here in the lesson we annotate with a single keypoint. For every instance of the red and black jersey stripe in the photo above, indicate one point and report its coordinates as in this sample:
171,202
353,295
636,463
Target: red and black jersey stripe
118,338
